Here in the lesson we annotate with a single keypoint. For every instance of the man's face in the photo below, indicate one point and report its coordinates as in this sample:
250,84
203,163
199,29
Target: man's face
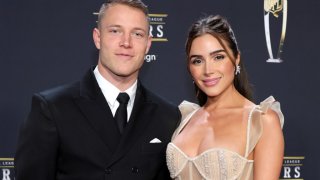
123,41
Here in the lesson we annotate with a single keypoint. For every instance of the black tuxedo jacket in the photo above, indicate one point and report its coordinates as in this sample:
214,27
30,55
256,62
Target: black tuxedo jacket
70,134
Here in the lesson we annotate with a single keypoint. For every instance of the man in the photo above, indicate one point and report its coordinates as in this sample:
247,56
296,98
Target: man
74,132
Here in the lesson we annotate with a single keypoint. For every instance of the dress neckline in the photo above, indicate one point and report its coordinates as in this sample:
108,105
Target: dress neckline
179,130
210,150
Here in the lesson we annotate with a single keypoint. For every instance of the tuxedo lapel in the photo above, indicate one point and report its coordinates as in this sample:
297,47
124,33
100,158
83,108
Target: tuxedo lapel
139,120
97,112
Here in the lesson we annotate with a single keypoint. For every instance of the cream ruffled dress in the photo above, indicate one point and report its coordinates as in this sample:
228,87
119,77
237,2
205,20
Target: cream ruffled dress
219,163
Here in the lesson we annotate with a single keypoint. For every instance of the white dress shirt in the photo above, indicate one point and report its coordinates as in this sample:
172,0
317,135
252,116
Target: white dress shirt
111,93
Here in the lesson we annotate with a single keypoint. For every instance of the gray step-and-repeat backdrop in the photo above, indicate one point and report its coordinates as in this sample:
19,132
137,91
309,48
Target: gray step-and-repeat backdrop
45,43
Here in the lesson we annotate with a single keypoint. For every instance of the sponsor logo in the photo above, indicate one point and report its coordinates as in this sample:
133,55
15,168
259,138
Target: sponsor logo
6,169
157,27
292,168
150,57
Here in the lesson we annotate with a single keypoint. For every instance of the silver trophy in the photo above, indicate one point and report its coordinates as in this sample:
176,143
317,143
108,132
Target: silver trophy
275,7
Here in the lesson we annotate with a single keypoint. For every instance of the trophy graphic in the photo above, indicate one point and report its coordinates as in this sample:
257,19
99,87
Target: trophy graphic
275,7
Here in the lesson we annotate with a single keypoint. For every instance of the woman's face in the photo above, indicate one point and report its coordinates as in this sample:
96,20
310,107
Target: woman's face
210,66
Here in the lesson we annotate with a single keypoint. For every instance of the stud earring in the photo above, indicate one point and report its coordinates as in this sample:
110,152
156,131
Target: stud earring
237,70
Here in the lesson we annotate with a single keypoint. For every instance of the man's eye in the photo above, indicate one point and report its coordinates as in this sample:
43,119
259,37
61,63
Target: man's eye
113,31
138,34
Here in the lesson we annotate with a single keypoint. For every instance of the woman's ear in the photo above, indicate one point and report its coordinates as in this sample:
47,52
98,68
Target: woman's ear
238,59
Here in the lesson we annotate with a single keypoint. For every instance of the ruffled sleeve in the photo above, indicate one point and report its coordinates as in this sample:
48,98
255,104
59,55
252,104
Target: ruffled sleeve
187,109
255,125
271,103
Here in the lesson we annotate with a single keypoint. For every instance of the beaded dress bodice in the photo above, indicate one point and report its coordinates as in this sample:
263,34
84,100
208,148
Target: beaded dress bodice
218,163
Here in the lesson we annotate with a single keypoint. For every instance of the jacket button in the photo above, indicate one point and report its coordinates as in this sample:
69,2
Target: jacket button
135,170
108,171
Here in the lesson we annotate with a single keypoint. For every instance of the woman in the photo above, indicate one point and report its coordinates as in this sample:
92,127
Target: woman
227,136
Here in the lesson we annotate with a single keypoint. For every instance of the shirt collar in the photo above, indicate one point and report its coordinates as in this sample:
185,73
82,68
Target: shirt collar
111,92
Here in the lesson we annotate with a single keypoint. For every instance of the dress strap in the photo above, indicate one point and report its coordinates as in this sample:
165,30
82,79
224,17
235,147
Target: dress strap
187,109
248,131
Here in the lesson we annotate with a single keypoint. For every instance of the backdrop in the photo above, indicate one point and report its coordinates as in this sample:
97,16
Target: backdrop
46,43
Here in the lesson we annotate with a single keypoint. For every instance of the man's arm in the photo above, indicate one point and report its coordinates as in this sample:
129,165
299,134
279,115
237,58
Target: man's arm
37,147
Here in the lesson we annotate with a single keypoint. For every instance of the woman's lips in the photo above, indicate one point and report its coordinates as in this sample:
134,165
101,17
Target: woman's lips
211,81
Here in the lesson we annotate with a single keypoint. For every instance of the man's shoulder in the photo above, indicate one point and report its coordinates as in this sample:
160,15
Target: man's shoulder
61,92
70,90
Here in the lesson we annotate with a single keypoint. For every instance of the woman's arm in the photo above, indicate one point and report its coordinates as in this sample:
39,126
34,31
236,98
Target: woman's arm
269,151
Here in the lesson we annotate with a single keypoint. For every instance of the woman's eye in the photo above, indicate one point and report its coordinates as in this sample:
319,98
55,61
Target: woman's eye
219,57
196,61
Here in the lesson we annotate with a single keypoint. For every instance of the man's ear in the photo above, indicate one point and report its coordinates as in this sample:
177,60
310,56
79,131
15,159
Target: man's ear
96,37
148,44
